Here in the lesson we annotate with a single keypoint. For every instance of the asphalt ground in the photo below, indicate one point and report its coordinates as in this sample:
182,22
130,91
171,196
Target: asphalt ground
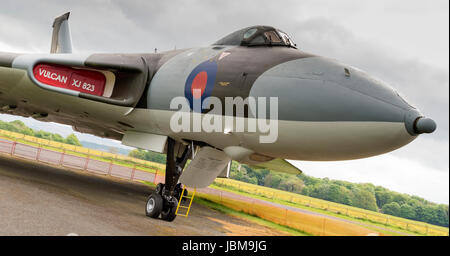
38,199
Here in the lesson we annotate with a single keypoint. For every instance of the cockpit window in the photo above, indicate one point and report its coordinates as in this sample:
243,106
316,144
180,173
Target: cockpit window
257,36
259,40
250,33
286,39
272,36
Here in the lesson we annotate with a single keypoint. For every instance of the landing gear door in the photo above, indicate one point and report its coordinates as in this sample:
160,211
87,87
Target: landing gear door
207,164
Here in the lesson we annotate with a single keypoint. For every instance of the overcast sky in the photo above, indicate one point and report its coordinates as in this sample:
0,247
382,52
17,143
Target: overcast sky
403,42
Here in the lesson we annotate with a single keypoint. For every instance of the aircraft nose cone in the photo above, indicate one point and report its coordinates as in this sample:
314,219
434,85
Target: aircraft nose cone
417,124
424,125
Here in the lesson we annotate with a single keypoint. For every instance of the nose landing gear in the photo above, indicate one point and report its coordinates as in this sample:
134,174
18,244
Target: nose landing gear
164,200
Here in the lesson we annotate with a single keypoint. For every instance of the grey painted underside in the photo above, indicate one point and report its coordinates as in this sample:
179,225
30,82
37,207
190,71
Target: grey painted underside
315,89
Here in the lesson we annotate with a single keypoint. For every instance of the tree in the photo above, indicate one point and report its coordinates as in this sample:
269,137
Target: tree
392,208
442,215
148,155
276,180
364,199
73,140
292,185
383,197
137,153
268,180
407,211
57,137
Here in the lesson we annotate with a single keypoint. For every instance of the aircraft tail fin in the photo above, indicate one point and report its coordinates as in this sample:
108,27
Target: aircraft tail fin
61,39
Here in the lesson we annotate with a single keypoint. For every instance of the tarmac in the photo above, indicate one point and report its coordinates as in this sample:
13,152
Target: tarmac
38,199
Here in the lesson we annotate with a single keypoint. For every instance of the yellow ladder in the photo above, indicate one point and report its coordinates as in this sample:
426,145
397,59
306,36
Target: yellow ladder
179,207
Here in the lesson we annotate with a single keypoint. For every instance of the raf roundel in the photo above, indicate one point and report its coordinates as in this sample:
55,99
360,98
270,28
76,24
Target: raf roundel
200,83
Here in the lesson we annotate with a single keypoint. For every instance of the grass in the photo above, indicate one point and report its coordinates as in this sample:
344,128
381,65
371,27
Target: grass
248,217
400,224
325,212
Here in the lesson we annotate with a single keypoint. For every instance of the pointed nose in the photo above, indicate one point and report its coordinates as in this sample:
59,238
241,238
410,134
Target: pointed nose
416,123
424,125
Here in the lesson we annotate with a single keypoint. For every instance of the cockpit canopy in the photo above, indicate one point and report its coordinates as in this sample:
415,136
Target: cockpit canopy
258,36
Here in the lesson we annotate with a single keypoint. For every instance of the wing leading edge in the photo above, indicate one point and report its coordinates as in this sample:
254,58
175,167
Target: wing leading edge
278,165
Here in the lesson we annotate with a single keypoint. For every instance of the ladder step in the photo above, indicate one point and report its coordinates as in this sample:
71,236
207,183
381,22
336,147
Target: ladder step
191,198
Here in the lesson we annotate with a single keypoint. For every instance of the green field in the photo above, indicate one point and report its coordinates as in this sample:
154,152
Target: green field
364,217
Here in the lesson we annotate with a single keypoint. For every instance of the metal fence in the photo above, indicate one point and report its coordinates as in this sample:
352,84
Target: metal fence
39,142
86,162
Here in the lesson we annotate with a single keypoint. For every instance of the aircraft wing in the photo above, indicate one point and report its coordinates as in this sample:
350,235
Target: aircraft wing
277,165
74,89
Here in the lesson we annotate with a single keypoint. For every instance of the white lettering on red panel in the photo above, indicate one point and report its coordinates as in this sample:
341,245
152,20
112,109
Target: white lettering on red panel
82,80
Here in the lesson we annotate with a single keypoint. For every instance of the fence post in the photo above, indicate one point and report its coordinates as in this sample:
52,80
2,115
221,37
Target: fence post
61,161
38,153
110,167
13,148
86,164
132,172
156,175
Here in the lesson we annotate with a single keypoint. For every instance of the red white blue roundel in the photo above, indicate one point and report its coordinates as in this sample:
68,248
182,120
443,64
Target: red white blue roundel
200,82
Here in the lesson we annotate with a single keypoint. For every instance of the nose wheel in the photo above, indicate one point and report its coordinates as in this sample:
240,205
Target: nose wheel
154,205
160,205
164,201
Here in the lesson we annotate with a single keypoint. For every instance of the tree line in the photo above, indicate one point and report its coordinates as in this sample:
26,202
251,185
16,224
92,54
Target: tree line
19,127
361,195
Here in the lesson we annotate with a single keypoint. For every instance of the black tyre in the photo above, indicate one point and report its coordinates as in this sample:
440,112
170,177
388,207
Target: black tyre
154,206
169,213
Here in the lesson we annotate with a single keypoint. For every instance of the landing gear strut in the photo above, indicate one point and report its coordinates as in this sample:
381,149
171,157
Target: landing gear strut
164,200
